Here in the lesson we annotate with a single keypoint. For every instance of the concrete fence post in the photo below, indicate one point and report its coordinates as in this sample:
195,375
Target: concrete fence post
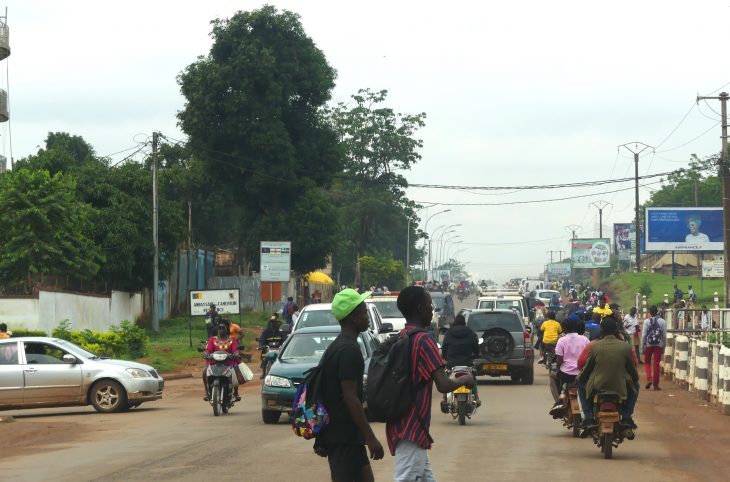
643,305
682,346
701,369
669,356
725,381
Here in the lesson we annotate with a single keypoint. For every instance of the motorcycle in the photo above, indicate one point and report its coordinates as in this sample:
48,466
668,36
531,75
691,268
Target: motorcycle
221,380
461,294
609,432
571,415
269,352
461,403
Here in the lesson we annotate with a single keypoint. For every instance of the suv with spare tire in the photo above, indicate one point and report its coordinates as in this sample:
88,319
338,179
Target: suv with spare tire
505,348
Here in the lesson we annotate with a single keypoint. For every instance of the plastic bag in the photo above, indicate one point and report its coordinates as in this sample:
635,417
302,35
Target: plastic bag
246,371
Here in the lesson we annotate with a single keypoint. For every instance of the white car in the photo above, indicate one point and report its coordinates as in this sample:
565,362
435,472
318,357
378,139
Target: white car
50,372
320,314
388,309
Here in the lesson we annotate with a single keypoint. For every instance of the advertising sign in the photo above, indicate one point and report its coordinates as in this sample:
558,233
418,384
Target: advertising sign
275,260
591,253
558,270
684,229
226,301
713,268
624,237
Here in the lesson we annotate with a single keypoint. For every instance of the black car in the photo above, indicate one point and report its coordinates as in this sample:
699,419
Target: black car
504,344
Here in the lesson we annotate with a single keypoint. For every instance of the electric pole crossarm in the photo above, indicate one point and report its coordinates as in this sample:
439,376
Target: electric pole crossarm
637,223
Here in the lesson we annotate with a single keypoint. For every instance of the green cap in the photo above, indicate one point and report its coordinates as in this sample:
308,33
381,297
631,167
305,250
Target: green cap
346,301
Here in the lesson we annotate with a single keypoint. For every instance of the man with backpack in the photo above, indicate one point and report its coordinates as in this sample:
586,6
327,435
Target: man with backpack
653,341
408,436
343,440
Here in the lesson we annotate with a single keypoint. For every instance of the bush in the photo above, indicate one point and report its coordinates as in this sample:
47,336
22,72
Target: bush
722,338
125,341
645,288
19,333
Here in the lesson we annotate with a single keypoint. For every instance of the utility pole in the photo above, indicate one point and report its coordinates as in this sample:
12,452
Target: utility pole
724,173
637,225
572,228
600,205
156,275
560,252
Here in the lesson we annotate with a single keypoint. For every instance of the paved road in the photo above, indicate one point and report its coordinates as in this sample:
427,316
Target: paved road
510,438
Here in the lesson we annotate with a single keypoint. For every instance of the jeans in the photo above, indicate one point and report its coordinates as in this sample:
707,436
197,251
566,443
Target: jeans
650,365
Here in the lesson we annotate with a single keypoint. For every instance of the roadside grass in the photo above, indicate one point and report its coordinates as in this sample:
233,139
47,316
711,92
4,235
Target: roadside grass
170,349
626,285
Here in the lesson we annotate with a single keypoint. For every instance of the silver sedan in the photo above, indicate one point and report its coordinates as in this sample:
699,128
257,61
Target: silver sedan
49,372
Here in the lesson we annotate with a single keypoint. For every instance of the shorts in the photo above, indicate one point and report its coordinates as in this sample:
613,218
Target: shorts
412,463
346,461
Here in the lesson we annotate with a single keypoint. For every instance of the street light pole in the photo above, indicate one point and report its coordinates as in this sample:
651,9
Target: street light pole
425,230
408,243
441,258
448,250
430,238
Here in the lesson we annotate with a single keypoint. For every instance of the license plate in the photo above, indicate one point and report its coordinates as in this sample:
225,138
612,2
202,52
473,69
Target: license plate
495,366
463,390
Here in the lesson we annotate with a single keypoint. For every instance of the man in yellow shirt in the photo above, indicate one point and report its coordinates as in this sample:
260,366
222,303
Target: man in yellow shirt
602,309
4,331
551,331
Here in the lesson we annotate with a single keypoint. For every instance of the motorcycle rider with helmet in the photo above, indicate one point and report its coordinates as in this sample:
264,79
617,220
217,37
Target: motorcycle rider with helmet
459,348
221,342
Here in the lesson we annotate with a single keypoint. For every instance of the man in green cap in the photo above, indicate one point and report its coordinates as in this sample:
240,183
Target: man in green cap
343,441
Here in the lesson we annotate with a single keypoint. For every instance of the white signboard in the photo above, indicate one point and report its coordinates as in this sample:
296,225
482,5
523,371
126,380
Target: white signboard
713,268
275,260
226,301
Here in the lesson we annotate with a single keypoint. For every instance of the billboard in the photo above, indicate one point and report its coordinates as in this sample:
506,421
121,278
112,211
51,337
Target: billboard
591,253
558,270
684,229
275,260
624,237
226,301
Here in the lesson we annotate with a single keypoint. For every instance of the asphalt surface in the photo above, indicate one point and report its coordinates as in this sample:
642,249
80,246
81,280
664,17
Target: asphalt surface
511,437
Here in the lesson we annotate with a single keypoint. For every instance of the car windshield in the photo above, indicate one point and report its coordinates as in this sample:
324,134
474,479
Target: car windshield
310,318
77,349
501,305
388,308
547,294
438,301
311,346
480,322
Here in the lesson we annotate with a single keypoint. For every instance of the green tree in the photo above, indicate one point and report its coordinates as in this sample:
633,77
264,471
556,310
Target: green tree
382,271
44,228
254,119
380,144
698,185
457,268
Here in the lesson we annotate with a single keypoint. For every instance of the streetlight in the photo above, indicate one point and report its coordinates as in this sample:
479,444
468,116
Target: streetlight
438,243
425,230
447,240
446,230
448,250
408,243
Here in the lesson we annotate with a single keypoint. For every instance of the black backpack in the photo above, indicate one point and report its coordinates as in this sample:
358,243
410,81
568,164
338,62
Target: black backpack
390,392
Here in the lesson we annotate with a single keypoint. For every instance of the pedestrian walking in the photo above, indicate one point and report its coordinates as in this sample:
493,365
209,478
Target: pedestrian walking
653,341
631,326
408,438
344,439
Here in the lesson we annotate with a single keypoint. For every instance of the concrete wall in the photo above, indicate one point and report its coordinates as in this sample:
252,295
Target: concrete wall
93,312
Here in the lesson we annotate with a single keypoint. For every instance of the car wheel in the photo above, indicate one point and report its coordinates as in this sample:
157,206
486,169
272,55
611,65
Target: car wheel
528,376
270,416
108,396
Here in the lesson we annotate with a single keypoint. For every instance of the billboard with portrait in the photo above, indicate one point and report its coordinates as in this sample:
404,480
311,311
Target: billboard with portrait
624,237
684,229
591,253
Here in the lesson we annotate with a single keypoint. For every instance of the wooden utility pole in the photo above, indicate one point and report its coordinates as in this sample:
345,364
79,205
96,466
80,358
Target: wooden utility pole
156,274
724,173
637,223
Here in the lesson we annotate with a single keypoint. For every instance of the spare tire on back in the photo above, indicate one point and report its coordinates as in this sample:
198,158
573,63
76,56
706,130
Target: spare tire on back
497,344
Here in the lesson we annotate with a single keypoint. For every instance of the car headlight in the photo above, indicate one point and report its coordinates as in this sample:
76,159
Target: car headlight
138,373
274,381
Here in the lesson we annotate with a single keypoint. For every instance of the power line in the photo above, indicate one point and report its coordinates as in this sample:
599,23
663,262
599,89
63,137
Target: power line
537,201
693,139
677,126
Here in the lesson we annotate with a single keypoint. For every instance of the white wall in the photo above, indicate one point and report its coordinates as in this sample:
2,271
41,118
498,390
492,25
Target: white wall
93,312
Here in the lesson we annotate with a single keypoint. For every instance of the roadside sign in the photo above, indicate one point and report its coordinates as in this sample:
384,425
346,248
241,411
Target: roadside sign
275,260
591,253
226,301
713,268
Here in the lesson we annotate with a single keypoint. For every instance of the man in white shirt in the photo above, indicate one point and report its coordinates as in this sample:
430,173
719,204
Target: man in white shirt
631,326
695,236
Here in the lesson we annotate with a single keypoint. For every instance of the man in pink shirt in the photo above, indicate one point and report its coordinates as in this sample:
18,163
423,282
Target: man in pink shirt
567,351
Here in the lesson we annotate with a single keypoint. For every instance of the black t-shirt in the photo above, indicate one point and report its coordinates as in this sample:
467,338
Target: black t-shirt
345,363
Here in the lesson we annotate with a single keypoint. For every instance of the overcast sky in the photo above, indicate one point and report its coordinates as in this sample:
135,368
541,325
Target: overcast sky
516,93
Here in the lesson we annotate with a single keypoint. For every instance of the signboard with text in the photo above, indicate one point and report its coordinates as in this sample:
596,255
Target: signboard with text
591,253
275,260
713,268
226,301
558,271
684,229
624,237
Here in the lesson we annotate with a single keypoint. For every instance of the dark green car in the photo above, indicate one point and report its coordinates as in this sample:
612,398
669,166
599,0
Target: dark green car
302,351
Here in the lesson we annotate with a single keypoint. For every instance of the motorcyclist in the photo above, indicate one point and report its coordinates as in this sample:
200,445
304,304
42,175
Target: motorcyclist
272,333
610,365
459,348
593,325
211,320
221,342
